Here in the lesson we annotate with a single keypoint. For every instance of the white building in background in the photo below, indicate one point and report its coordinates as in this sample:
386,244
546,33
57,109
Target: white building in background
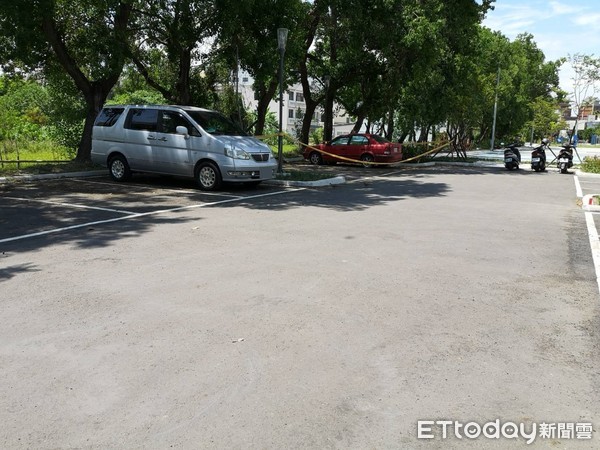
294,108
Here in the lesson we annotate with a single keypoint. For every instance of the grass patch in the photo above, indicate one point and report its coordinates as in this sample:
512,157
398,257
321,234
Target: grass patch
47,156
10,169
591,164
288,150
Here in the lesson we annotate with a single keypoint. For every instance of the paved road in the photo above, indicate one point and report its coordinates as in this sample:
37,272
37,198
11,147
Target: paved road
296,318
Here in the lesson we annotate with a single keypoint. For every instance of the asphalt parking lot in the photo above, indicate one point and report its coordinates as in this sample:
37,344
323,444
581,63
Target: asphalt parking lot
52,206
151,314
45,207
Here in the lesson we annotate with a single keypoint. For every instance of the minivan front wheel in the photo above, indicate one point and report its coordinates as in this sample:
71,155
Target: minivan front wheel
119,168
208,176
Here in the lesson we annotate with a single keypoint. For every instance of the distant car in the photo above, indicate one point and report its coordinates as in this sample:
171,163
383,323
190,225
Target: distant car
359,147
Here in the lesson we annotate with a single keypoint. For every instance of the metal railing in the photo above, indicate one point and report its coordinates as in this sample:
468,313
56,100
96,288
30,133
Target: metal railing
18,162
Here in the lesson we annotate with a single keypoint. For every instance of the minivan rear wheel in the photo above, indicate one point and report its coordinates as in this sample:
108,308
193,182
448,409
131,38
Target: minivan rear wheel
119,168
208,176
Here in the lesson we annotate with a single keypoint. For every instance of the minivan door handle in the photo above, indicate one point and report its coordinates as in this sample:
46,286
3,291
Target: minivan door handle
163,139
151,138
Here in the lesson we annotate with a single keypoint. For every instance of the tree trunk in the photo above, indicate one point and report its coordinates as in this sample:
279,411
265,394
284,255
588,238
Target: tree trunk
314,19
265,94
328,116
359,122
94,92
390,128
94,101
311,103
330,86
311,107
184,96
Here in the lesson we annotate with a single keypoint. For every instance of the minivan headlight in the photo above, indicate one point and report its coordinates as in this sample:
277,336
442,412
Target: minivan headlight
236,153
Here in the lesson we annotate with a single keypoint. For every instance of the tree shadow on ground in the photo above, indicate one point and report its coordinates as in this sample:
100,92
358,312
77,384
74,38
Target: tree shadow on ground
354,196
38,215
7,273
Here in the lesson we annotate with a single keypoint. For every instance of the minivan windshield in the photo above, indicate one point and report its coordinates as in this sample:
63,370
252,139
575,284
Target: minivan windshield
215,123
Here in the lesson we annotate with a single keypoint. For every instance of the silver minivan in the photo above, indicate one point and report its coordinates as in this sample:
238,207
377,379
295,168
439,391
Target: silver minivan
178,140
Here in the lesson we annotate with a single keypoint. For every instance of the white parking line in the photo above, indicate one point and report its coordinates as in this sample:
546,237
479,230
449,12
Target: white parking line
578,187
135,216
594,244
154,188
69,205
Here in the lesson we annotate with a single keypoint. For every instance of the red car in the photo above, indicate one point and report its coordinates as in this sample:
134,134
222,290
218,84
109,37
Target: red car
358,147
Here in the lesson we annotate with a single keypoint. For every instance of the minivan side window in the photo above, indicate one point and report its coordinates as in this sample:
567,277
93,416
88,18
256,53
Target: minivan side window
170,120
142,119
108,117
216,123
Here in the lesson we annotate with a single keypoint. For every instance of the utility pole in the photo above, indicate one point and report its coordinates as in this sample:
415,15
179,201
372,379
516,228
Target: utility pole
495,111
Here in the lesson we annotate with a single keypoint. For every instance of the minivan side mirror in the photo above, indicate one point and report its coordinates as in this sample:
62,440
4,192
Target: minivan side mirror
182,130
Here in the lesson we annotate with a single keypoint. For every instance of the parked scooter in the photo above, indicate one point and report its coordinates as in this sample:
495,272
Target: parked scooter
512,157
538,156
565,158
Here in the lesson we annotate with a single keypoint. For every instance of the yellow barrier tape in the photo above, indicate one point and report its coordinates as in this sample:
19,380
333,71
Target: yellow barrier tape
343,158
437,149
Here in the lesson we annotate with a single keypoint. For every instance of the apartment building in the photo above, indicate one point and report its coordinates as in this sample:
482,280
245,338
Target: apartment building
294,108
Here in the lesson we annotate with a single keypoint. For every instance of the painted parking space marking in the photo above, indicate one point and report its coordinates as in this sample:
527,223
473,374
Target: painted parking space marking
591,227
68,205
578,187
150,213
154,188
594,243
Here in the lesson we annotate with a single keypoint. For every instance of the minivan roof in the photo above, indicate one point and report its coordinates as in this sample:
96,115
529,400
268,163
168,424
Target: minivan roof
185,108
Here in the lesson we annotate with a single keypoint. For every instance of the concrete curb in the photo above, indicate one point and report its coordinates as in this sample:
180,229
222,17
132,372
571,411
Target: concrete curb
52,176
579,173
587,203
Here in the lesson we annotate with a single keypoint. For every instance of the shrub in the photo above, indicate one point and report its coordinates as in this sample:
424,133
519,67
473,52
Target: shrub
316,137
591,164
139,97
410,150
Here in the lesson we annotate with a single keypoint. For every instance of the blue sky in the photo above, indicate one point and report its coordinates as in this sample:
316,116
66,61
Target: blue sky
559,27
